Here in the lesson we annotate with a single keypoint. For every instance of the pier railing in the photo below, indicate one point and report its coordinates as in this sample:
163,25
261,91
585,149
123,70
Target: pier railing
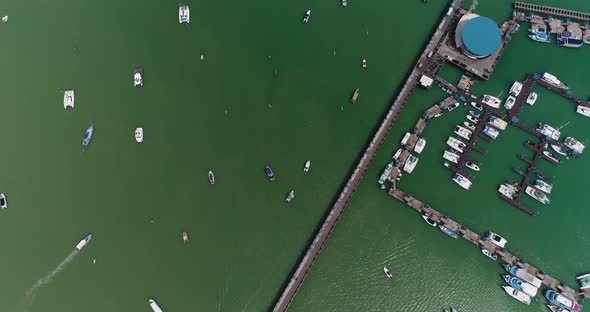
552,11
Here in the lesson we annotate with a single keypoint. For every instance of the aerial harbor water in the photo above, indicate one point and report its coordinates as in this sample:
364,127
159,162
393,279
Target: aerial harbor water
240,87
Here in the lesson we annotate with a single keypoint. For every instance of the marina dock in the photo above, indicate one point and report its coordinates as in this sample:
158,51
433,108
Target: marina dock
542,9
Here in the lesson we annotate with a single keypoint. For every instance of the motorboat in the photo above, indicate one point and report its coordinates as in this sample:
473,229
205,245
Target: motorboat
548,131
476,106
523,275
306,166
489,254
364,63
509,102
138,77
405,138
387,273
491,131
518,295
437,115
576,146
185,237
472,166
397,153
5,19
211,177
453,106
568,40
520,285
583,110
496,239
532,98
562,301
83,242
3,202
450,156
560,150
539,35
516,88
554,81
269,173
290,196
584,281
87,137
344,3
497,122
491,101
552,156
508,190
544,186
538,195
139,135
472,118
420,144
386,172
355,95
462,181
448,231
463,132
474,114
410,164
469,125
69,99
456,144
184,14
154,305
554,308
306,16
428,220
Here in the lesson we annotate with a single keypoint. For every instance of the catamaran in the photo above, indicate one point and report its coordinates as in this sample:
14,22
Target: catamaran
139,135
87,137
410,164
518,295
184,14
83,242
491,101
532,98
462,181
576,146
456,144
583,110
516,88
509,102
306,16
450,156
508,190
154,305
538,195
463,132
497,122
491,131
69,99
548,131
496,239
420,144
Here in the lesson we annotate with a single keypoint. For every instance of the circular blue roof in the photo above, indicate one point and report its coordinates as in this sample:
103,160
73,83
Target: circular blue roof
481,36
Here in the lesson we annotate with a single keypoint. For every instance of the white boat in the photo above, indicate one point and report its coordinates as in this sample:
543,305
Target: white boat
574,144
154,305
184,14
410,164
544,186
584,281
554,81
554,308
405,138
3,202
463,132
476,105
5,19
497,122
496,239
489,254
429,220
491,101
532,98
518,295
364,63
290,196
548,131
83,242
469,125
583,110
509,102
453,106
516,88
472,166
397,153
450,156
139,135
344,3
472,118
552,156
456,144
559,150
508,190
538,195
420,144
387,273
491,131
138,77
462,181
306,167
306,16
211,177
69,99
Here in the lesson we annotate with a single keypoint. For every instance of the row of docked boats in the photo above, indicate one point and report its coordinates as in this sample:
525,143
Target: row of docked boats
564,39
442,227
573,147
539,191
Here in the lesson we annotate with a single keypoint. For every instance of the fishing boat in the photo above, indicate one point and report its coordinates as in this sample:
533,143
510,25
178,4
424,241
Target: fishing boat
532,98
456,144
576,146
387,273
554,81
83,242
269,173
539,35
463,132
518,295
138,77
562,301
355,95
472,166
290,196
554,308
154,305
472,118
491,101
516,88
538,195
523,275
462,181
496,239
583,110
476,106
405,138
69,99
469,126
584,281
509,102
520,285
552,156
508,190
184,14
420,144
185,237
450,156
497,122
453,106
489,254
429,220
410,164
344,3
491,131
364,63
448,231
3,202
139,135
568,40
306,166
544,186
87,137
306,16
548,131
211,177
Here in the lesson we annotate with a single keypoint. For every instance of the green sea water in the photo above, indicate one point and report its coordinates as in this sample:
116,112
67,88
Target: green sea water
269,90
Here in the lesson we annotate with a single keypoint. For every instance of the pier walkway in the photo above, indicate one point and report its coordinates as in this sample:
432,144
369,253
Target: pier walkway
552,11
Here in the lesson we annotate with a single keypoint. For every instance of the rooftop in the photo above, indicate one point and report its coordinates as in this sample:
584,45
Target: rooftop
481,36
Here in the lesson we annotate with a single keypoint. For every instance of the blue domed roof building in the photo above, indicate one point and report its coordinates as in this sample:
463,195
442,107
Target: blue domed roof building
477,36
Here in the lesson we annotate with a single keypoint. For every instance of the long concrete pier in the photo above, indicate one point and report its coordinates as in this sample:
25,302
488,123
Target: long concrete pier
354,180
552,11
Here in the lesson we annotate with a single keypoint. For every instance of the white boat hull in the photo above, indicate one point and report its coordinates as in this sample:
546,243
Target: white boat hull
69,99
306,167
139,135
583,110
154,305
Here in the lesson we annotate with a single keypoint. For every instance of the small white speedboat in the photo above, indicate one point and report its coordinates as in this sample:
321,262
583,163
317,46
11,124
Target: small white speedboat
154,305
306,167
428,220
290,196
306,16
139,135
489,254
3,203
518,295
364,63
211,177
387,273
344,3
69,99
138,77
5,19
472,166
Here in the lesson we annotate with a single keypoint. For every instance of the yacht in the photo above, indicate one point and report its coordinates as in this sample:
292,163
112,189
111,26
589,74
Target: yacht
450,156
410,164
306,166
497,122
420,144
364,63
69,99
509,102
456,144
453,106
520,285
552,156
185,237
491,131
544,186
561,151
539,35
448,231
476,106
472,118
344,3
518,295
211,177
405,138
491,101
516,88
429,220
568,40
83,242
387,273
3,202
584,281
469,126
462,181
139,135
306,16
548,131
538,195
496,239
508,190
463,132
583,110
269,173
562,301
472,166
355,95
87,137
489,254
290,196
576,146
554,81
532,98
184,14
138,77
154,305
